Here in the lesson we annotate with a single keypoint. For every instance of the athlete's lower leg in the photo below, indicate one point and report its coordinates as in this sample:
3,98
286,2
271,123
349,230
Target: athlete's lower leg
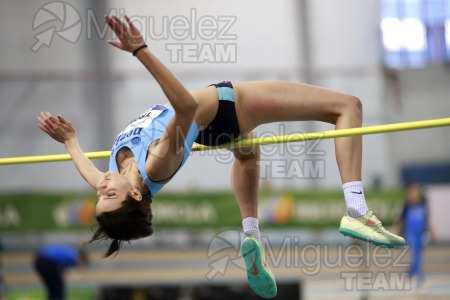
245,182
349,157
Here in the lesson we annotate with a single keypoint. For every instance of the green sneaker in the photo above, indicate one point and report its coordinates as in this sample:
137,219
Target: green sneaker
369,228
259,275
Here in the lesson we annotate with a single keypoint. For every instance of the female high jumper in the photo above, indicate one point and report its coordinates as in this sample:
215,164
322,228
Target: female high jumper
151,150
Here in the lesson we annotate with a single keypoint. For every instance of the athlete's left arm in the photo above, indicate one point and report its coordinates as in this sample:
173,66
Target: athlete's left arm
61,130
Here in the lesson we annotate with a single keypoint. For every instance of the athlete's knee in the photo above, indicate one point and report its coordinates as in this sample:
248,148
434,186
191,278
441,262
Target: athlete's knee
247,153
352,106
355,104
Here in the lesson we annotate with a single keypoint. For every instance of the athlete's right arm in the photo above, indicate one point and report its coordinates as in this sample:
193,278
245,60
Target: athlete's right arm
169,150
131,39
62,131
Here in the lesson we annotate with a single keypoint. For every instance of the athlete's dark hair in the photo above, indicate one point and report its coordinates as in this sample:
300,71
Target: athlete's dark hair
133,220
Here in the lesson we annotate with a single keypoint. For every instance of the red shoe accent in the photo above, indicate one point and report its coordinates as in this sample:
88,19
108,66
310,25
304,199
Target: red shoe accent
255,268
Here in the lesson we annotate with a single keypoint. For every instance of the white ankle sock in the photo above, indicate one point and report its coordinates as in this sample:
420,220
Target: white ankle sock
354,198
251,227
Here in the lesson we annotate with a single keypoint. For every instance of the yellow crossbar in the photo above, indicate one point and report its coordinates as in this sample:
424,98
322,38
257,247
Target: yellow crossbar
297,137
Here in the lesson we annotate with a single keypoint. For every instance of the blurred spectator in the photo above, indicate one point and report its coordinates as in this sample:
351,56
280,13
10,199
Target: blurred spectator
52,261
414,224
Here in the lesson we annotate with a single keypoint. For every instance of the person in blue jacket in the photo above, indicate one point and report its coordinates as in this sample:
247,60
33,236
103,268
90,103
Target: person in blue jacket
52,261
414,224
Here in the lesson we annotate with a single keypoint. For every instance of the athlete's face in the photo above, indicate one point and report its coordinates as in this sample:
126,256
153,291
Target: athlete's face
113,189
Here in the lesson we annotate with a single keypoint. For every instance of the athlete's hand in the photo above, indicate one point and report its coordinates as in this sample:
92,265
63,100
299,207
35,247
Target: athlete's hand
129,36
58,128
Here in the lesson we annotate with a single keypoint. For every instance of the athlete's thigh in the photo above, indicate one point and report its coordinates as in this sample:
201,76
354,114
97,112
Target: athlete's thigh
263,102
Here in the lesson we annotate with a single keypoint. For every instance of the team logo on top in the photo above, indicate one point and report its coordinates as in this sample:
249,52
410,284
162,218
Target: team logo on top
135,140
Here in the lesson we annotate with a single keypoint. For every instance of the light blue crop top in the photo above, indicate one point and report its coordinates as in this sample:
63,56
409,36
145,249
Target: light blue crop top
139,134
